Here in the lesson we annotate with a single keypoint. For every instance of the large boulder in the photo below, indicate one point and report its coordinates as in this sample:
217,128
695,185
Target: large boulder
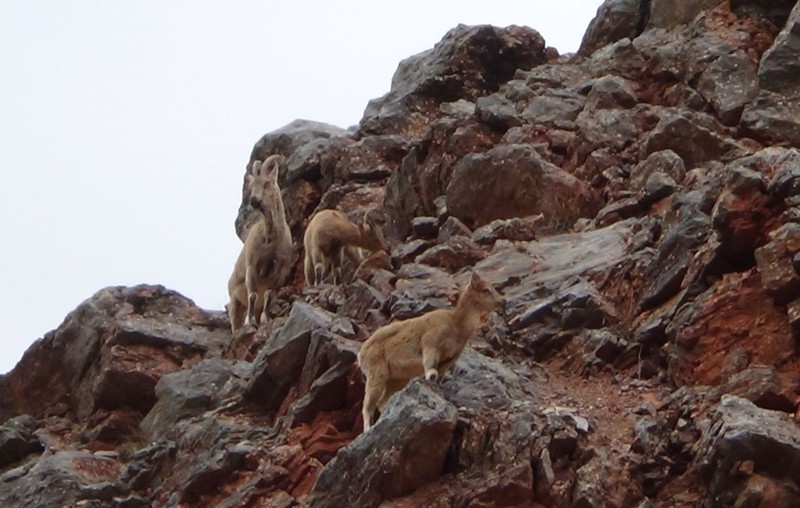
615,20
463,65
405,449
515,181
750,456
775,113
110,352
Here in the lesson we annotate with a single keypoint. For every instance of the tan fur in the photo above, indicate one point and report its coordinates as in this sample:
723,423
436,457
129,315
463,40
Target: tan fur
265,259
428,344
331,239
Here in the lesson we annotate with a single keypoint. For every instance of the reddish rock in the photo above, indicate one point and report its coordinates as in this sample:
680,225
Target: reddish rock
721,320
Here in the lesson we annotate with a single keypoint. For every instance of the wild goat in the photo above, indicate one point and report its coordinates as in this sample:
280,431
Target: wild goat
330,238
428,344
265,259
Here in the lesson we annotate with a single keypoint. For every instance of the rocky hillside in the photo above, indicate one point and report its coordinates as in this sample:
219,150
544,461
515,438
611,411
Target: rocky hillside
638,206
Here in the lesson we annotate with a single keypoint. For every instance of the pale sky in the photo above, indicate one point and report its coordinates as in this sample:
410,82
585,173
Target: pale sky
125,128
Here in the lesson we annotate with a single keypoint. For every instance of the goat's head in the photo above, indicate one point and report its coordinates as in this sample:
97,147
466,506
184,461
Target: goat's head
372,234
262,180
482,293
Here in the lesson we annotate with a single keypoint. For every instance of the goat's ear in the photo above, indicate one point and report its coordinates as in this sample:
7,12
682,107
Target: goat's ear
255,168
475,280
274,166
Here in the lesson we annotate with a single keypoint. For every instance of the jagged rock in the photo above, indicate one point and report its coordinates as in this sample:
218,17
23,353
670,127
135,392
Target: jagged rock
610,129
671,13
674,255
729,84
278,366
17,441
747,446
407,252
463,65
456,253
558,109
517,182
620,58
404,450
692,136
786,163
776,263
58,479
419,289
741,213
111,351
450,228
666,162
517,229
615,20
190,392
497,111
326,382
402,201
707,328
610,92
360,299
425,227
761,386
774,114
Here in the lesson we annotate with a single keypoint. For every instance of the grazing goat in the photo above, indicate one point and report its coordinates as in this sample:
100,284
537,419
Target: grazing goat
265,259
330,238
428,344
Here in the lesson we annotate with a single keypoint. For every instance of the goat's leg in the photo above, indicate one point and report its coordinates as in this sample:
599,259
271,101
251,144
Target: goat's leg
265,311
308,270
235,314
374,391
430,360
252,296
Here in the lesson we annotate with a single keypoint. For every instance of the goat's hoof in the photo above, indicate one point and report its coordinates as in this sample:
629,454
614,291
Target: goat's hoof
431,377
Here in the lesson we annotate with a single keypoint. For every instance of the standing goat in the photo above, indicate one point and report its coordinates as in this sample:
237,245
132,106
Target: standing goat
428,344
330,238
265,259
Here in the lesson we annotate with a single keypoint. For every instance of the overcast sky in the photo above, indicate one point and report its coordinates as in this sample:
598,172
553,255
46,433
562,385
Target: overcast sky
125,128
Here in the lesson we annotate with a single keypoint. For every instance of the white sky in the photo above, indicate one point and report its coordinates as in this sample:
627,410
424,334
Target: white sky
125,127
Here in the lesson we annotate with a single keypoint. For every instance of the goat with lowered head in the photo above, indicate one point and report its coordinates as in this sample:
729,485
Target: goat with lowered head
331,238
265,259
429,344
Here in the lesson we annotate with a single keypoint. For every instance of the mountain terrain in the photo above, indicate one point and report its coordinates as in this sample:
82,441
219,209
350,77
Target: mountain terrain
637,204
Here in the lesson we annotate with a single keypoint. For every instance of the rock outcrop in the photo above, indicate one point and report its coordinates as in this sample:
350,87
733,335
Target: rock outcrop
638,206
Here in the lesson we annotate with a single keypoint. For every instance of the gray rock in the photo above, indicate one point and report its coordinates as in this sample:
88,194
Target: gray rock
402,201
516,229
190,392
497,111
729,84
450,228
403,451
58,479
425,227
775,113
514,181
16,443
615,19
453,255
775,262
692,136
463,65
610,92
278,366
671,13
745,440
557,109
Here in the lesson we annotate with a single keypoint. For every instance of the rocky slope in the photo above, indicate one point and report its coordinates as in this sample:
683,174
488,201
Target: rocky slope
637,204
